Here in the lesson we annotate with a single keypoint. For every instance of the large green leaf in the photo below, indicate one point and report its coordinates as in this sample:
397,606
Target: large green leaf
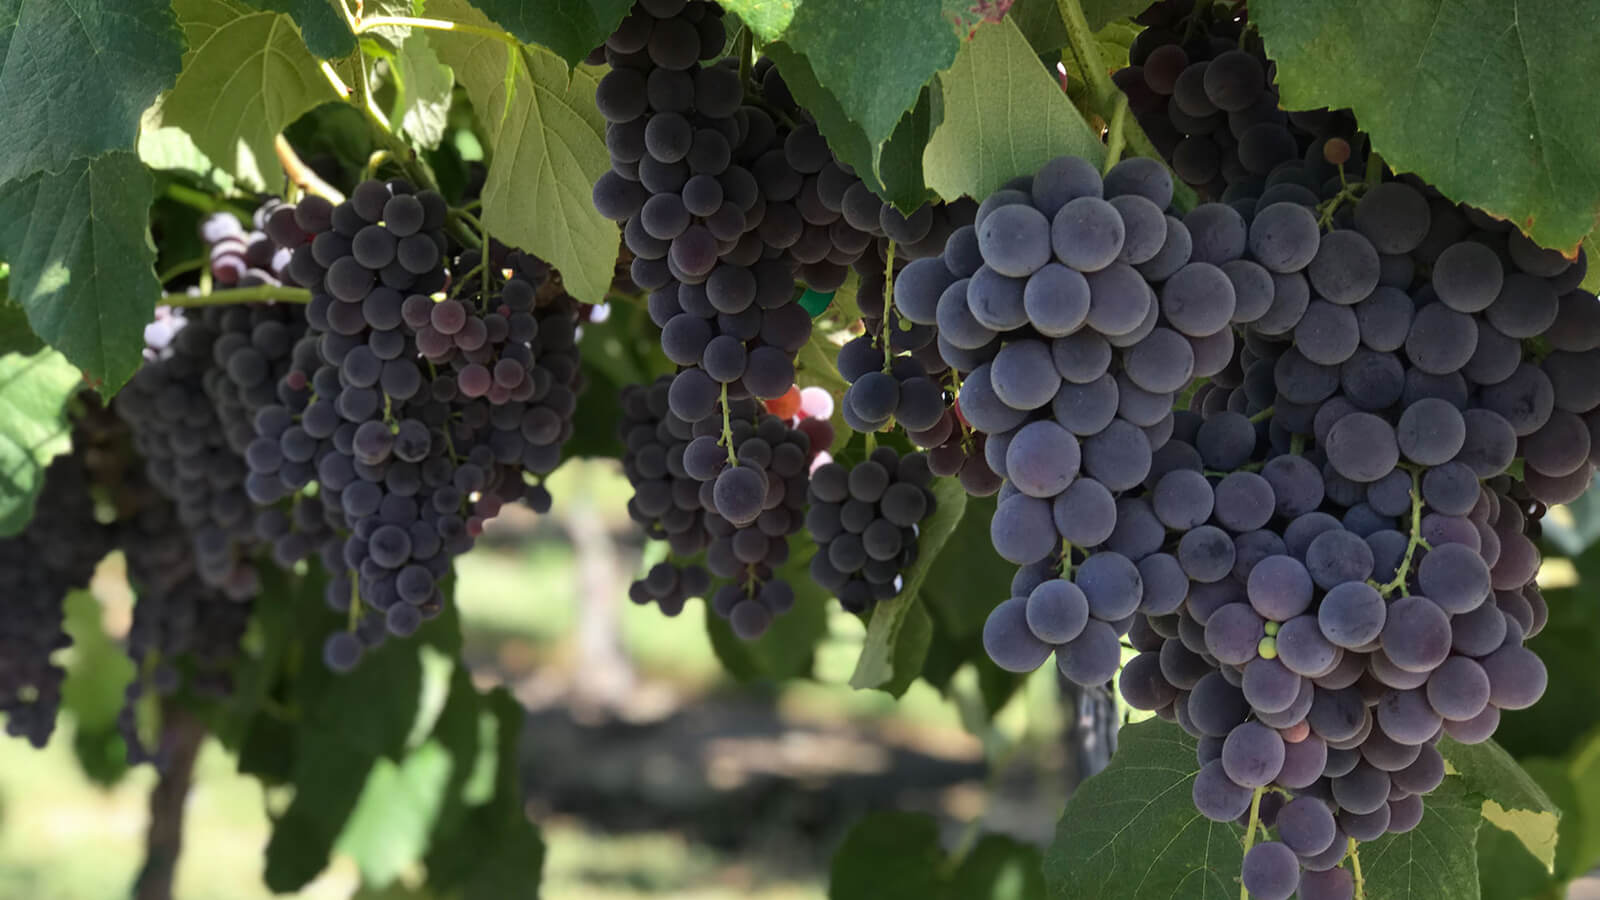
325,31
546,140
425,86
81,261
246,77
389,828
98,674
1132,831
892,168
169,148
1040,21
965,584
33,429
871,59
74,77
1004,116
1487,100
1437,860
16,336
888,856
897,856
569,28
1512,800
900,630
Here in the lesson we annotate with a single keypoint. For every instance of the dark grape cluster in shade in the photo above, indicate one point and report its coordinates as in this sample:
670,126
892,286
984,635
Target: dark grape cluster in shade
865,519
1200,85
418,417
737,494
56,553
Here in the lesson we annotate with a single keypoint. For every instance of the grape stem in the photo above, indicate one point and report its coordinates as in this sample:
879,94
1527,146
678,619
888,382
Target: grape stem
1262,416
301,175
370,23
1103,93
1066,558
1250,834
204,202
354,617
727,428
888,305
260,293
1416,540
176,269
1355,869
1115,136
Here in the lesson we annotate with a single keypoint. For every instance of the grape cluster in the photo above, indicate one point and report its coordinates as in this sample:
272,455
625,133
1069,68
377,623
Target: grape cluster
417,417
179,435
260,256
737,494
56,553
1072,362
1200,85
865,521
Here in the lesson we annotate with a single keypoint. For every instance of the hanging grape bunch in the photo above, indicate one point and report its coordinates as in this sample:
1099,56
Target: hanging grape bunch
865,521
1200,85
427,412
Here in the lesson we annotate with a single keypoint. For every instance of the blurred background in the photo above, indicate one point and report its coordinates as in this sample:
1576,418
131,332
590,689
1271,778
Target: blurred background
651,773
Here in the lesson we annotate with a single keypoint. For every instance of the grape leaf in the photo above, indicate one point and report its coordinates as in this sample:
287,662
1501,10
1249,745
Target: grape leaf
892,169
98,674
1436,860
1004,115
166,148
15,335
888,856
388,830
1040,21
1477,97
1513,801
1101,13
77,75
1132,831
246,77
871,58
963,587
568,28
81,261
33,391
321,26
426,86
547,150
897,856
351,720
899,631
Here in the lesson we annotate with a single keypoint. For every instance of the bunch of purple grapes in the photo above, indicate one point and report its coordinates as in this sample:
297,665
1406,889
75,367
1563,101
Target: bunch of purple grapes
418,417
1200,85
56,553
1326,561
738,497
865,521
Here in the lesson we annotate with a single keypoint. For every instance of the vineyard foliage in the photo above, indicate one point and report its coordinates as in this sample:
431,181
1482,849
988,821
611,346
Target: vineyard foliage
132,124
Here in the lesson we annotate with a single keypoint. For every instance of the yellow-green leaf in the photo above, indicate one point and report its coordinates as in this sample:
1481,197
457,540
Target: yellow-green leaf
1004,116
246,77
547,149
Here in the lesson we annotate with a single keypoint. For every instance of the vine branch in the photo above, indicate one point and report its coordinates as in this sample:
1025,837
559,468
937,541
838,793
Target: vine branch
164,840
302,175
261,293
1103,93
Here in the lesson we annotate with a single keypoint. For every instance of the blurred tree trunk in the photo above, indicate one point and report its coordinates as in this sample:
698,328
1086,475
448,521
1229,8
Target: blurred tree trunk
1091,732
182,736
606,677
